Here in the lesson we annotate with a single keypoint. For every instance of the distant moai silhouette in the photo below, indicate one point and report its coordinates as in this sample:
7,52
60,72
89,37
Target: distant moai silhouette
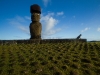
35,25
79,36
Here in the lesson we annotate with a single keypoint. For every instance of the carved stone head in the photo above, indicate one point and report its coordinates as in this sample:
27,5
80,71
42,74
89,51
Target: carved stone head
35,17
35,11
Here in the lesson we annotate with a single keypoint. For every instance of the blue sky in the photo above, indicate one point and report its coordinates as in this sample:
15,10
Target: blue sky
59,18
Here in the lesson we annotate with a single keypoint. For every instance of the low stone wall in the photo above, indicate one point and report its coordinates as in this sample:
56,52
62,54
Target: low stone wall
2,42
62,40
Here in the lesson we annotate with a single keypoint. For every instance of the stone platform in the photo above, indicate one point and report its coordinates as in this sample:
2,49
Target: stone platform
41,41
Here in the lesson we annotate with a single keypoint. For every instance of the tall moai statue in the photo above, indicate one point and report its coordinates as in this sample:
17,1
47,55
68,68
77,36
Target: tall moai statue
35,25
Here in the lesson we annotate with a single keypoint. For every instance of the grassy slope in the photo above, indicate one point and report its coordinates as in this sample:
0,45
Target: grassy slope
50,59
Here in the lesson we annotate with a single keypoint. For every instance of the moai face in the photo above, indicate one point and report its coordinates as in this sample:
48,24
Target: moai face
35,17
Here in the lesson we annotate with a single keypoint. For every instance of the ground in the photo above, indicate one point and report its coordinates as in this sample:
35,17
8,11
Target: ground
73,58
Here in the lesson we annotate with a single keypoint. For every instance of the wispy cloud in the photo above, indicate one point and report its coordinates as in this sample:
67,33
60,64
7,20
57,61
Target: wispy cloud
17,19
60,13
86,29
20,23
17,36
27,17
48,24
74,16
24,29
46,2
98,29
82,23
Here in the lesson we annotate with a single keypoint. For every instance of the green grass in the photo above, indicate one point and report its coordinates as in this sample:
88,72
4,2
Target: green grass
50,59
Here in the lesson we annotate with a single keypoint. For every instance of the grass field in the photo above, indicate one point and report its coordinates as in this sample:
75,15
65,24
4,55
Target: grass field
50,59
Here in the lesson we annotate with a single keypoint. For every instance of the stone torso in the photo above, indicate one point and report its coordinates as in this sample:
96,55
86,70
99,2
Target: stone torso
35,29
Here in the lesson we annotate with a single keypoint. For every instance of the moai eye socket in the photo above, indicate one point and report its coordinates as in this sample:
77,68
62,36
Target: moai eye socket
35,14
38,14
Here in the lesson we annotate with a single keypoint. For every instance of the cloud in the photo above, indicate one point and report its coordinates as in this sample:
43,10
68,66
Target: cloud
46,2
60,13
17,36
98,29
85,29
49,23
27,17
20,23
24,29
82,23
74,16
19,19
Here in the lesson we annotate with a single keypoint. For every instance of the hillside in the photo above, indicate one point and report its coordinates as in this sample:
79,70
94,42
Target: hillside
68,58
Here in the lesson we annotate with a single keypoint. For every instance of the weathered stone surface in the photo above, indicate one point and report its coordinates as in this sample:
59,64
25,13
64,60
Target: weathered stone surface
35,26
35,17
35,30
35,8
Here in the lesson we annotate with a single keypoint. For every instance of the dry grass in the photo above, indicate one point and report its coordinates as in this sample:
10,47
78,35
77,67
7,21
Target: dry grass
50,59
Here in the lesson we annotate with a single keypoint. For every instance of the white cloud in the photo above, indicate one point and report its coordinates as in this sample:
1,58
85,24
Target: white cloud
20,19
46,2
85,29
17,36
27,17
20,23
82,23
24,29
98,29
60,13
74,16
49,23
16,19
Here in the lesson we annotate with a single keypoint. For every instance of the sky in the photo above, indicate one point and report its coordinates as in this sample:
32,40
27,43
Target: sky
60,19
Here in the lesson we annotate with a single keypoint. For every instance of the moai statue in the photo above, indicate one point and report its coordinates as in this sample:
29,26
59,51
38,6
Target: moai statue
79,36
35,25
